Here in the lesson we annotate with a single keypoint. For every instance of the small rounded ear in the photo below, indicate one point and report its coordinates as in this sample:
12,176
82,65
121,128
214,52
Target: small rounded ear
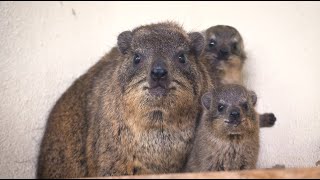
197,43
206,100
124,41
253,97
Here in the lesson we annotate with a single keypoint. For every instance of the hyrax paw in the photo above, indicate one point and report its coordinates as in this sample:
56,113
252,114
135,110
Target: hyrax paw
271,119
267,120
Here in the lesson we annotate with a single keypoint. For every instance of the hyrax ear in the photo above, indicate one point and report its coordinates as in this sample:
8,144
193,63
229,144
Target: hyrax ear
124,41
253,97
206,100
197,43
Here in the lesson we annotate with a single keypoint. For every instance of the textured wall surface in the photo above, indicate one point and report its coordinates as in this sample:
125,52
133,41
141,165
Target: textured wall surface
45,46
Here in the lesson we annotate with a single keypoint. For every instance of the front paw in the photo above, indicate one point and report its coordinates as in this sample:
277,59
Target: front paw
267,120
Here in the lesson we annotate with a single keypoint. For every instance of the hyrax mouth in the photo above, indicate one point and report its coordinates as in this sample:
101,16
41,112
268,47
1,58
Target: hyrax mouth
235,127
230,123
158,91
225,58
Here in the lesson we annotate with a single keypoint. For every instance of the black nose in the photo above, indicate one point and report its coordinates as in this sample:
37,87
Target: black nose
158,73
224,51
234,115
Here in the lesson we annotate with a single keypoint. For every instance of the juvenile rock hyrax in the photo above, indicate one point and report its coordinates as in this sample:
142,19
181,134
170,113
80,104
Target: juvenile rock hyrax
224,56
228,134
134,112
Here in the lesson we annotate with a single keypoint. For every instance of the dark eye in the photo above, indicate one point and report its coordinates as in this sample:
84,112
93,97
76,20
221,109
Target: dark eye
234,46
212,43
182,58
220,107
245,106
136,59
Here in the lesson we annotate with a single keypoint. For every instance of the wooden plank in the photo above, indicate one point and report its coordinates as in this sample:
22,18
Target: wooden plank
293,173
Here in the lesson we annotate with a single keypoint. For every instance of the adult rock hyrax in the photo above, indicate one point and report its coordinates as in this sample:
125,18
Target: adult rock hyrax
228,134
133,112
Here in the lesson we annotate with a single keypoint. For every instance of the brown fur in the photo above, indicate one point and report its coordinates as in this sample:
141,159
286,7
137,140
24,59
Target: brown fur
112,122
227,68
220,145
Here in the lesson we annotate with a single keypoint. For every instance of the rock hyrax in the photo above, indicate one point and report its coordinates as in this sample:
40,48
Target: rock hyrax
228,134
224,54
134,112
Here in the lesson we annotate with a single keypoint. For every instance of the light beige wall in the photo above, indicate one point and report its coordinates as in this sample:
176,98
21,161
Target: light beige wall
44,46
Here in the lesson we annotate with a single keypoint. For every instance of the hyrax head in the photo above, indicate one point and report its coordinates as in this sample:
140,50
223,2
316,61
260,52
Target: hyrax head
229,110
159,67
223,43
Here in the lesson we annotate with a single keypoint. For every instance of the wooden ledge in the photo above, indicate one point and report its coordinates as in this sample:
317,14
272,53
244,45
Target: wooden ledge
249,174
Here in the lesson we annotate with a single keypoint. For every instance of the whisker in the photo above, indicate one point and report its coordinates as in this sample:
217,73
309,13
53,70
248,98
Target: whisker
179,83
135,84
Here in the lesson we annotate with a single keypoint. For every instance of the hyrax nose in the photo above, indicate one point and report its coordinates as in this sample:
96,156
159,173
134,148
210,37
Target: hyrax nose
224,51
158,72
235,115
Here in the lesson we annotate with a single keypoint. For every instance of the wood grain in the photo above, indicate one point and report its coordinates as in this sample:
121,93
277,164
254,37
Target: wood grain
295,173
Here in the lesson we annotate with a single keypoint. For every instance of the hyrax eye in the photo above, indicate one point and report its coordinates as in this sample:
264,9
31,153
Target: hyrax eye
182,58
136,59
212,43
235,46
220,107
245,106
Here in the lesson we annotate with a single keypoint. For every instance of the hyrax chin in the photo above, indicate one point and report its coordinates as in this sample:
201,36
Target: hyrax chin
224,56
228,134
134,112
